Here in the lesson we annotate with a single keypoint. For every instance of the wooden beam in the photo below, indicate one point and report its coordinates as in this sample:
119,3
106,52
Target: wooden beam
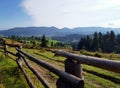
11,53
43,81
110,65
25,74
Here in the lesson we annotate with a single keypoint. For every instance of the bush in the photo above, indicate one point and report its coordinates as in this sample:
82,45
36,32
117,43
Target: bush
99,50
97,54
83,51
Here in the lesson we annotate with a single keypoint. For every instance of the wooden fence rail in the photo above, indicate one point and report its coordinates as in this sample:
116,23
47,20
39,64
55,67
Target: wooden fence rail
110,65
43,81
31,85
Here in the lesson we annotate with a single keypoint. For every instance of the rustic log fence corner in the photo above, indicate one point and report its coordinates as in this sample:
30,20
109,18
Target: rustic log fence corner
71,77
66,80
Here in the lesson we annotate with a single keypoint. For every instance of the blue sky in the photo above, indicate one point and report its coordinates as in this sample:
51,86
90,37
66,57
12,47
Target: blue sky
59,13
12,14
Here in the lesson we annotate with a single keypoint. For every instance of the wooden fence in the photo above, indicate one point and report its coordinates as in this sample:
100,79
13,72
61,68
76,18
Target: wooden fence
72,77
66,79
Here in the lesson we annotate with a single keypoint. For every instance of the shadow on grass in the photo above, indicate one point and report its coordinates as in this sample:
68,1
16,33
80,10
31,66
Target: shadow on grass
113,79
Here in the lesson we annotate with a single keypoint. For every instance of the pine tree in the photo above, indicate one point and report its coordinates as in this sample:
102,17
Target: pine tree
52,44
88,43
112,41
109,42
43,41
117,47
81,43
95,44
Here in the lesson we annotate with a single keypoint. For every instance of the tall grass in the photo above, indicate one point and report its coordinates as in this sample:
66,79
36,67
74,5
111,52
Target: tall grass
10,75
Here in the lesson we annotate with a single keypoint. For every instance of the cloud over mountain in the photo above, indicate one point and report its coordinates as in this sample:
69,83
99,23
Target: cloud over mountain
73,13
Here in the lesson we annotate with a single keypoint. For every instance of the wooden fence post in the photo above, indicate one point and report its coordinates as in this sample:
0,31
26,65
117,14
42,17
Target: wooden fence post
17,54
20,47
73,67
78,70
5,49
70,66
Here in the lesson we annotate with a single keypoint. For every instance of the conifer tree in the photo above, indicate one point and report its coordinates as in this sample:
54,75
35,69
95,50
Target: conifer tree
43,41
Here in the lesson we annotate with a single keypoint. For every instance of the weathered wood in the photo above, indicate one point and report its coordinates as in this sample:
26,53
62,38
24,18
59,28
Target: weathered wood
2,41
25,74
43,81
20,47
65,84
11,53
73,67
70,66
5,50
110,65
72,80
78,70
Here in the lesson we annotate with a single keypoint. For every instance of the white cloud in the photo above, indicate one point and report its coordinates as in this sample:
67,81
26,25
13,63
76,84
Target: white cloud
113,23
72,13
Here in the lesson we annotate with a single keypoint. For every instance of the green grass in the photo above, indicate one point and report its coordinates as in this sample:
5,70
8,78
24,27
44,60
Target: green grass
9,41
10,75
110,56
101,71
91,81
34,79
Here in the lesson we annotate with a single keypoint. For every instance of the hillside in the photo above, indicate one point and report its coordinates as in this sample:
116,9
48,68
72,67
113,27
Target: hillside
53,31
72,38
12,77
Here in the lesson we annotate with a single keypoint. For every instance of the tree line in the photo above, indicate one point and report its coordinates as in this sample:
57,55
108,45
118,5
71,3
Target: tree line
108,42
39,41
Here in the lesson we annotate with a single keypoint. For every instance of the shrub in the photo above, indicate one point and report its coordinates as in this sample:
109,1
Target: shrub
97,54
83,51
99,50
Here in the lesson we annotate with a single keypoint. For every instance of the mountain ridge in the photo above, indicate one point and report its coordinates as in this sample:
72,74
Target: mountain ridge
54,31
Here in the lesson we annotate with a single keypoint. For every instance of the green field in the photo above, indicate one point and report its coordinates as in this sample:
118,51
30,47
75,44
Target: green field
13,78
10,75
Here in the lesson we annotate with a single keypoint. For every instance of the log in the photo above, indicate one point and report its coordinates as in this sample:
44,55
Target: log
43,81
25,74
11,53
110,65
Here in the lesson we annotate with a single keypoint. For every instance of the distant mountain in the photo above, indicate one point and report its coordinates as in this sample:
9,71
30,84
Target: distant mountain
30,31
53,31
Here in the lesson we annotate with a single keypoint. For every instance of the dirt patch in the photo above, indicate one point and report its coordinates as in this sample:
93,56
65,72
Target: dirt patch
47,75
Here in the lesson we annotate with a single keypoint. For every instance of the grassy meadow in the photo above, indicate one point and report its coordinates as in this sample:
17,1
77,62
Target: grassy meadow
11,76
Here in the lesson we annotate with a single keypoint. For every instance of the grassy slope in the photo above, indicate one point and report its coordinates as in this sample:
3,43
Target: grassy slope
10,75
91,81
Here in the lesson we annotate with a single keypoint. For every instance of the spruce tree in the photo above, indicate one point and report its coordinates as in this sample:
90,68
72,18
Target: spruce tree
95,44
43,41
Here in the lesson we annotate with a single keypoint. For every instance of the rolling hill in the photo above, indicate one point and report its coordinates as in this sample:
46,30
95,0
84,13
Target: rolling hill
72,38
53,31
